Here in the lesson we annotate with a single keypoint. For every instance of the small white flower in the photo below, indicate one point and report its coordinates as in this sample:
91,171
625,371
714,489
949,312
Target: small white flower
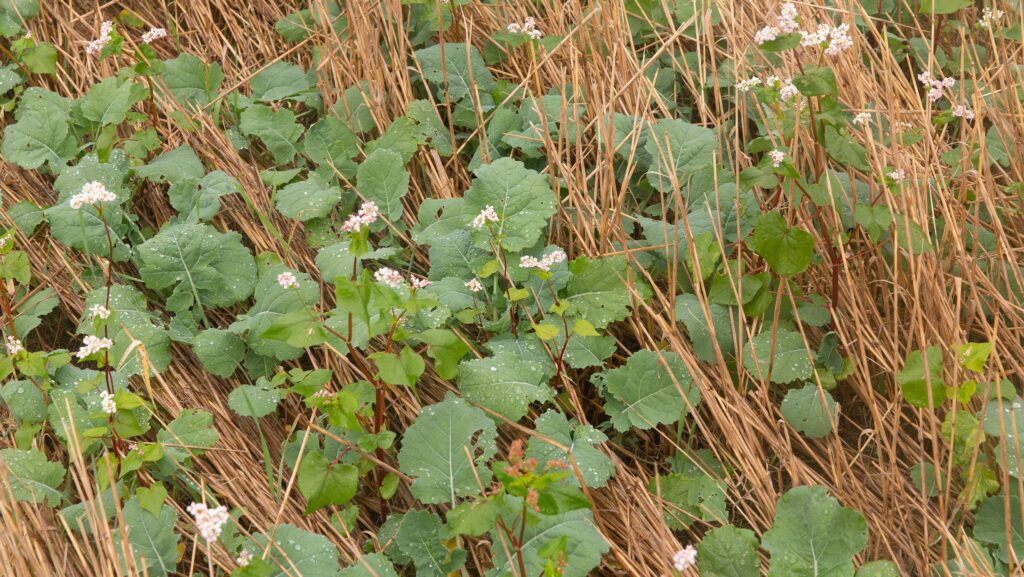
839,40
154,34
935,86
787,19
367,215
91,345
210,522
287,280
963,111
684,558
107,402
514,28
746,85
989,17
28,34
488,214
97,46
420,283
13,346
474,285
788,90
99,312
93,192
244,558
816,38
322,394
862,118
545,263
766,34
777,157
528,27
389,277
898,175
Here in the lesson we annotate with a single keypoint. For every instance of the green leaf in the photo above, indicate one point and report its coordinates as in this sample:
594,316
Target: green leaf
678,150
811,411
434,451
728,551
597,290
874,219
324,483
504,383
942,6
190,435
582,440
460,74
272,304
691,313
401,137
205,268
845,150
998,522
26,215
787,250
973,356
220,351
280,80
583,550
474,518
690,495
31,477
446,348
39,138
25,401
370,565
31,310
175,165
154,544
651,389
521,197
299,553
791,361
277,130
816,81
130,321
307,199
881,568
255,401
1005,421
813,536
108,101
192,81
399,369
421,537
329,142
383,179
41,58
915,379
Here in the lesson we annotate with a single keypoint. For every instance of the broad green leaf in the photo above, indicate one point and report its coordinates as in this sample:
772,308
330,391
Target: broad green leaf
845,150
324,483
298,553
434,451
585,351
278,81
915,379
813,535
154,544
190,435
432,130
1005,420
874,219
521,197
811,411
38,138
582,440
130,321
31,477
816,81
26,215
787,250
881,568
175,165
307,199
383,179
446,348
973,356
25,401
691,313
649,390
204,267
402,369
791,361
998,523
504,383
728,551
942,6
459,73
329,142
277,130
678,150
402,137
598,291
353,108
82,228
31,310
689,496
255,401
421,537
273,302
583,551
370,565
108,101
191,80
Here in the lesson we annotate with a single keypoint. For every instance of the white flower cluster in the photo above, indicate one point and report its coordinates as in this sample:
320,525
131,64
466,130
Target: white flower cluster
419,283
244,558
746,85
474,285
209,521
528,27
367,215
107,402
777,157
785,24
935,86
836,39
963,111
93,192
684,558
92,345
389,277
486,215
13,346
153,35
787,90
990,16
862,118
287,280
544,263
99,312
97,46
898,175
